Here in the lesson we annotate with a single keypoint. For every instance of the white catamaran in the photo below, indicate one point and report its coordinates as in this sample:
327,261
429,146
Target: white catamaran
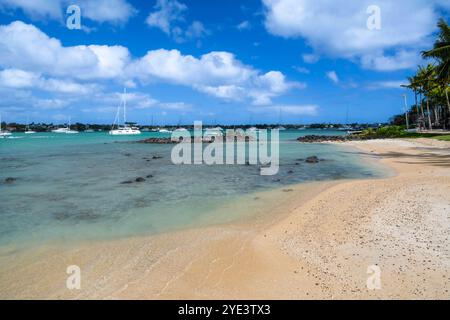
125,129
65,130
3,134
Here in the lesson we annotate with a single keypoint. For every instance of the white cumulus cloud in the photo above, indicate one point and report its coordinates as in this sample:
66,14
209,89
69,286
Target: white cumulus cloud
112,11
338,28
332,75
305,110
23,46
31,59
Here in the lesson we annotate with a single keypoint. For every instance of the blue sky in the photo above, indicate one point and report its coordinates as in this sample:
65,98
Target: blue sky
218,61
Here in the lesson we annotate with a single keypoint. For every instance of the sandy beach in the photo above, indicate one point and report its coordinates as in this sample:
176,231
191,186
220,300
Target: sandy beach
317,243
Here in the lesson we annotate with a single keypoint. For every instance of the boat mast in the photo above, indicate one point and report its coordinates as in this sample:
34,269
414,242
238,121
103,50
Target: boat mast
279,117
124,106
346,116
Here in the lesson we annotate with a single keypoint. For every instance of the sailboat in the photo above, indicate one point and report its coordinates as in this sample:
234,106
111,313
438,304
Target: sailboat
28,130
346,127
124,130
3,134
280,127
65,130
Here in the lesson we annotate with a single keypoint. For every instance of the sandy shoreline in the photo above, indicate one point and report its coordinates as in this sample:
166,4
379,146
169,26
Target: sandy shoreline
318,246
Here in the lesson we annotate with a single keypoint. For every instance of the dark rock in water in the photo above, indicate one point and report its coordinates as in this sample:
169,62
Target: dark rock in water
87,215
156,157
312,159
61,216
10,180
297,164
343,138
140,179
127,182
127,154
158,141
149,176
290,172
315,139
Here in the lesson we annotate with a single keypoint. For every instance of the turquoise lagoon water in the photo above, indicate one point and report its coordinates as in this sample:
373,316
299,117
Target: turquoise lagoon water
69,187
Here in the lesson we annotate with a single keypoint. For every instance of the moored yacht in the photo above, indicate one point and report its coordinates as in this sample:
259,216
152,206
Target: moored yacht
65,130
125,129
27,129
3,134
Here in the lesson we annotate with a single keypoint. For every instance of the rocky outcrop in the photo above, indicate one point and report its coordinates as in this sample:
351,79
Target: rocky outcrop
205,139
312,159
158,141
318,139
10,180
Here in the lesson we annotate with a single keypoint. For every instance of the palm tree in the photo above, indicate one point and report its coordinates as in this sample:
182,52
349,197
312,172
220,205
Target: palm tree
441,53
414,87
426,77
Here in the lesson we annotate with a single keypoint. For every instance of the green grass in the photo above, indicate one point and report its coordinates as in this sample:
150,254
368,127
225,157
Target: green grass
443,138
399,132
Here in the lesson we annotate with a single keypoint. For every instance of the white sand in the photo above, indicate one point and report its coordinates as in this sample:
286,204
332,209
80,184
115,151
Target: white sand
317,244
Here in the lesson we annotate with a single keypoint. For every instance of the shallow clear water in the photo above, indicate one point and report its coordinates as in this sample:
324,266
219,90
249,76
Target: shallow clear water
69,187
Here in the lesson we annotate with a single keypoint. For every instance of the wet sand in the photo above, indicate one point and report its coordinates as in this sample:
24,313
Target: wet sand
316,243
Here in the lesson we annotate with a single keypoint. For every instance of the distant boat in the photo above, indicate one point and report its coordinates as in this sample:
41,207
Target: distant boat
65,130
88,130
27,129
181,130
3,134
164,131
124,130
345,128
280,127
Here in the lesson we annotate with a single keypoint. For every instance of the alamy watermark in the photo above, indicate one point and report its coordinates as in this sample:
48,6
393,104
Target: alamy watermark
73,281
374,19
234,147
374,280
73,21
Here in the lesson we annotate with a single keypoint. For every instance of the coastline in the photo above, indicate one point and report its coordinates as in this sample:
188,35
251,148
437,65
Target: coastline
318,244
